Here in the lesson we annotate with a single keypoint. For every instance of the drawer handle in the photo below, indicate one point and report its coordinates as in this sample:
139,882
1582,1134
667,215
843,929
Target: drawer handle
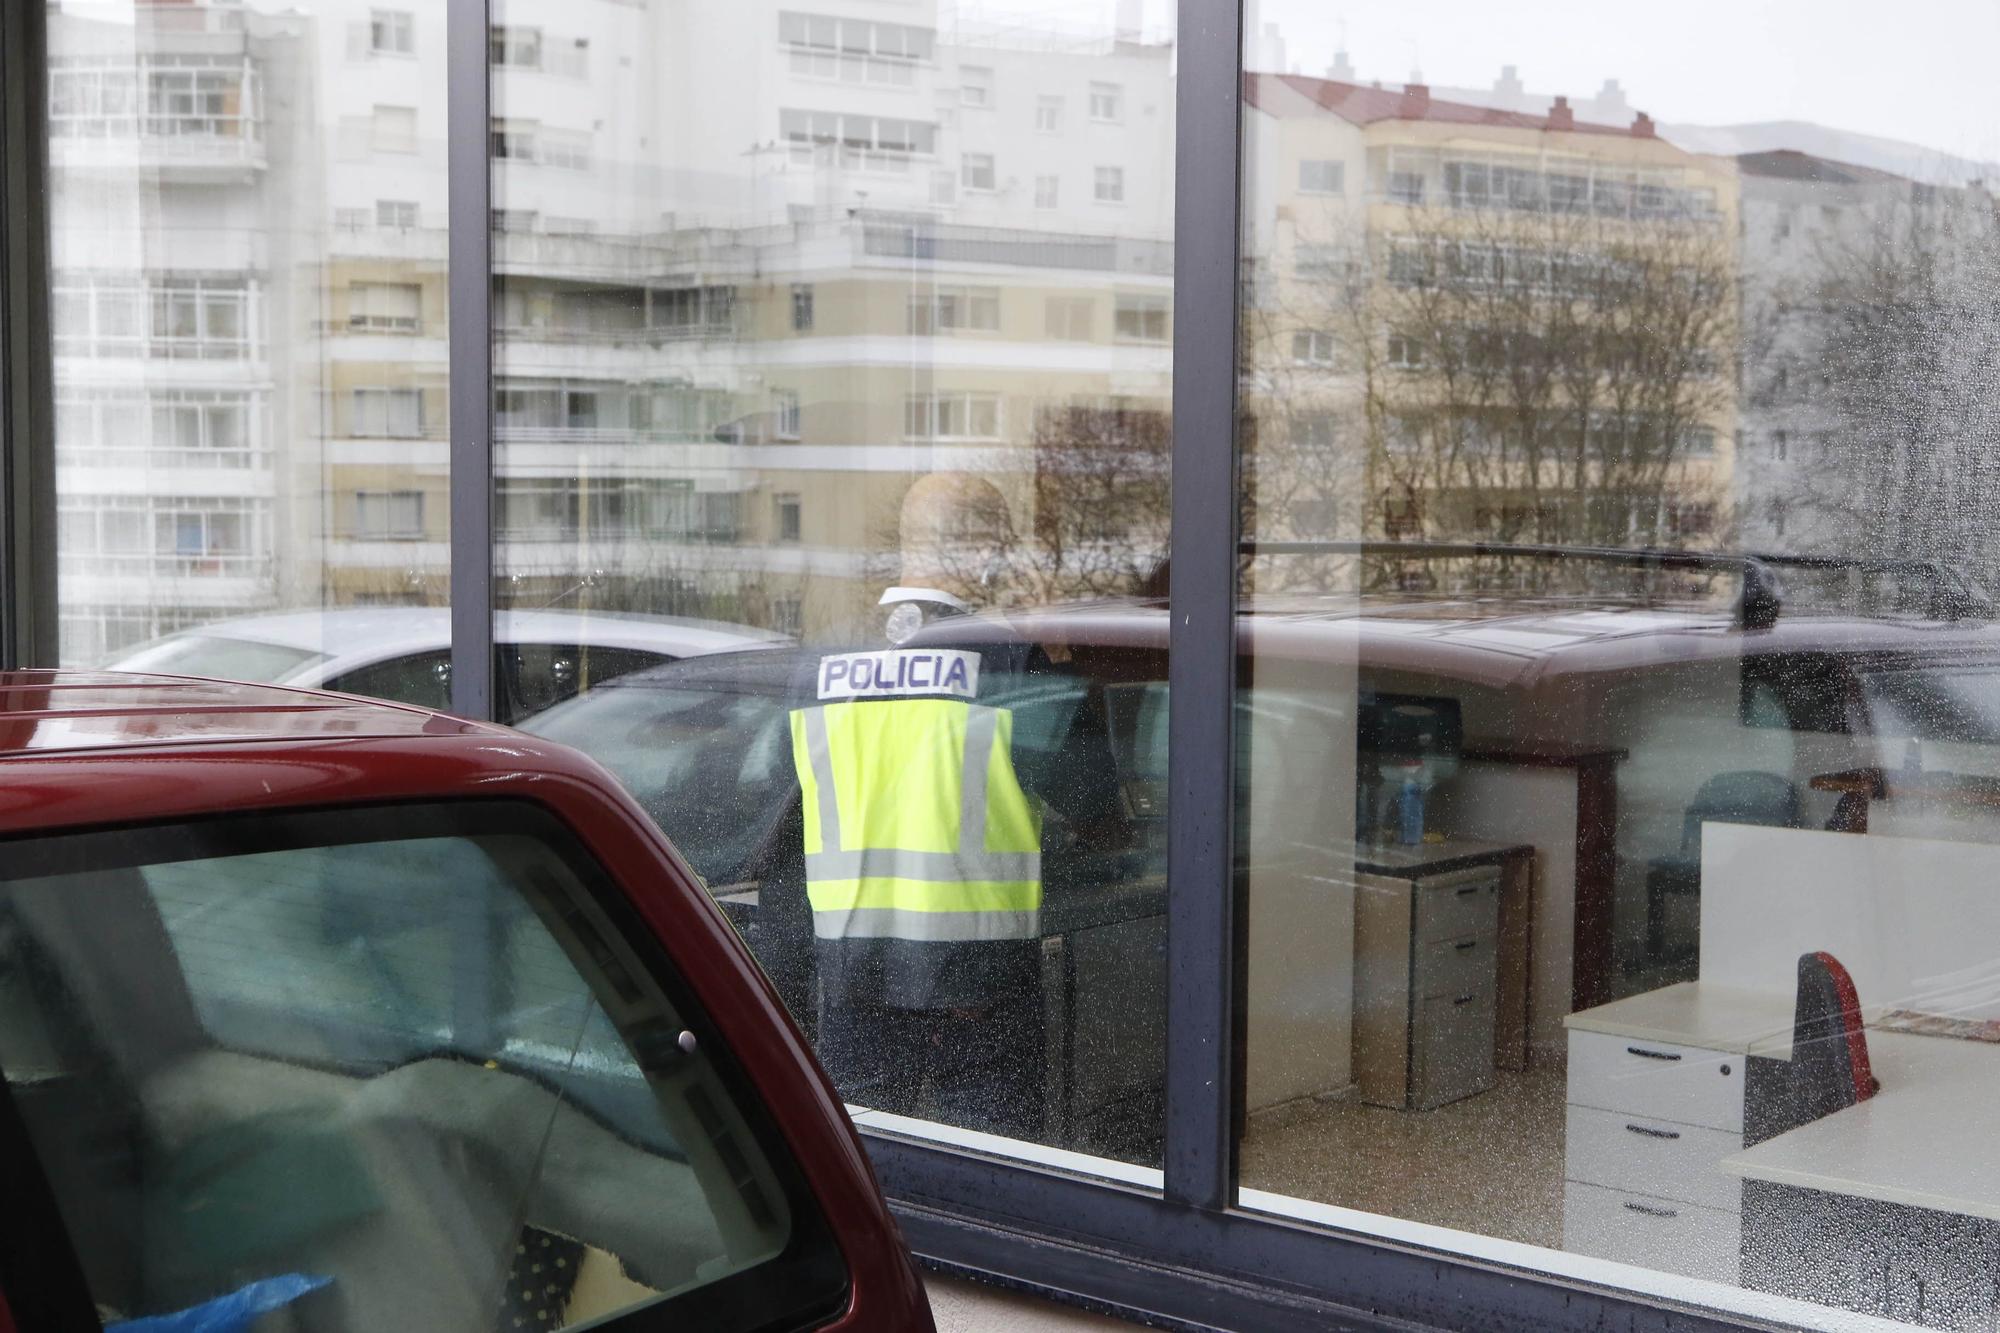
1651,1211
1470,889
1643,1053
1463,945
1465,999
1652,1133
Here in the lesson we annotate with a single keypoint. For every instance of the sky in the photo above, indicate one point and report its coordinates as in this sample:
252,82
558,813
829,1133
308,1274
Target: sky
1920,70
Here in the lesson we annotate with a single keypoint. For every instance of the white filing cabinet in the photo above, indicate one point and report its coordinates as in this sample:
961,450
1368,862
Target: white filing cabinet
1655,1103
1425,960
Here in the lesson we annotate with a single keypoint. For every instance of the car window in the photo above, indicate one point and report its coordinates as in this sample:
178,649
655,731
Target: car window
1936,705
220,656
425,1080
421,679
713,768
538,676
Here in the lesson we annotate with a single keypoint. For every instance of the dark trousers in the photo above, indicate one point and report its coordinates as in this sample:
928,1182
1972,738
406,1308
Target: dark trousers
973,1069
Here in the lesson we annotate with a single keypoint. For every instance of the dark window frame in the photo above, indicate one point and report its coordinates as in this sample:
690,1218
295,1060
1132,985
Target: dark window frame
1186,1253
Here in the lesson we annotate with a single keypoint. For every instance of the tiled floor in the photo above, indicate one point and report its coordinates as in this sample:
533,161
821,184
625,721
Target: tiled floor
961,1306
1491,1163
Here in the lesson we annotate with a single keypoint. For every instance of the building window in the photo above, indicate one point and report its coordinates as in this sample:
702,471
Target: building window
1048,114
512,141
516,48
852,50
1046,191
1322,177
392,32
1070,318
395,516
952,416
1107,102
1698,441
788,510
1109,185
785,408
1312,347
397,213
1141,318
787,615
396,414
385,307
514,219
1405,353
944,188
975,171
954,309
802,307
975,86
856,134
393,129
1780,445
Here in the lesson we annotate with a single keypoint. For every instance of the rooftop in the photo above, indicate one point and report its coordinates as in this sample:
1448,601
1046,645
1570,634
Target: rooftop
1279,94
1791,164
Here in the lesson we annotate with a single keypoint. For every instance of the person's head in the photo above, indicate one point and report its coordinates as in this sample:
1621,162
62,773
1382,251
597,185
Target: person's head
955,532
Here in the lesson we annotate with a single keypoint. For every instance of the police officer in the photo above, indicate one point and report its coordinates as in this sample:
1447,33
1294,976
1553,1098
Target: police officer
923,857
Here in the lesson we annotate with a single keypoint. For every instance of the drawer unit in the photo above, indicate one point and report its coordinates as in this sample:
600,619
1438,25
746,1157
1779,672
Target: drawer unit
1456,966
1463,903
1451,1048
1425,983
1664,1234
1660,1158
1657,1081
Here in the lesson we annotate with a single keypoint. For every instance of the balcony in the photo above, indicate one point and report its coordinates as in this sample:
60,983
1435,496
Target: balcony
194,149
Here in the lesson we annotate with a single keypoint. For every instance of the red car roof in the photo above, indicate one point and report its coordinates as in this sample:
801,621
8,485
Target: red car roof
48,711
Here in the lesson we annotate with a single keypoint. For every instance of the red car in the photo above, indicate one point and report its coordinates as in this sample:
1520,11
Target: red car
325,1015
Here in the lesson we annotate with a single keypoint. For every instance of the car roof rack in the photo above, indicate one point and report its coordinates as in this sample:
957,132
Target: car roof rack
1949,594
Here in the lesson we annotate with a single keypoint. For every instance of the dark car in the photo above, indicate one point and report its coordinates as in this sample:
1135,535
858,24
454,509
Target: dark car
386,1019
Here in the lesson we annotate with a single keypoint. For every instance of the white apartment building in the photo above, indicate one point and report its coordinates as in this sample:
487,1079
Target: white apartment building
751,278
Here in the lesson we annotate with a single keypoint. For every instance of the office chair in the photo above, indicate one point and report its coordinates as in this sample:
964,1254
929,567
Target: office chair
1731,798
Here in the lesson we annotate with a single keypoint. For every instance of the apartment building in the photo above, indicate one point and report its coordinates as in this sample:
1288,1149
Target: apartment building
1457,309
750,281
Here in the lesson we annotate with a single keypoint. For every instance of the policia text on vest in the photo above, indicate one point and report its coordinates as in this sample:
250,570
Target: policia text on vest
923,869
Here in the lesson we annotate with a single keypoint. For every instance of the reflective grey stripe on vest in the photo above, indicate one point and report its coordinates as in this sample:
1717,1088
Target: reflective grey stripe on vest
954,927
980,724
932,867
820,754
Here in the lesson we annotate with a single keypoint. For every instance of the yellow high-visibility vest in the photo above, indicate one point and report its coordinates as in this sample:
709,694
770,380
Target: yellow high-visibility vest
916,826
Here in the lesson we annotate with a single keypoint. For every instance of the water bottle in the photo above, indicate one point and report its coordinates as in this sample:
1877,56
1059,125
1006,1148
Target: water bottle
1411,811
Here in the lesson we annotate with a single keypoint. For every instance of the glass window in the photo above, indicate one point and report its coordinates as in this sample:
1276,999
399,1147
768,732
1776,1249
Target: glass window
1046,188
975,86
1110,185
392,32
1321,177
1613,801
411,1068
216,420
961,418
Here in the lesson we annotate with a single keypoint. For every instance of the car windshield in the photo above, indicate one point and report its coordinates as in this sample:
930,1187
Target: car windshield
713,768
221,656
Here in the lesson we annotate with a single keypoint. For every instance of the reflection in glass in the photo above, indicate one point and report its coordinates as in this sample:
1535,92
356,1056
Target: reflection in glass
248,314
1615,785
850,324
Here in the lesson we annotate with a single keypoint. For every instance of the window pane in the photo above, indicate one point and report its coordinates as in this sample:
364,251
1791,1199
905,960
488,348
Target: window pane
874,352
1612,765
220,349
409,1070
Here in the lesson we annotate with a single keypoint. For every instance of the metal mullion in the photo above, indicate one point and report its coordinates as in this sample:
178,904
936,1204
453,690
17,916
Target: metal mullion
29,634
1202,980
469,280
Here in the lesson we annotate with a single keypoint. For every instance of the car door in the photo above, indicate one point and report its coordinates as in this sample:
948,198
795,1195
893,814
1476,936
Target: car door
408,1067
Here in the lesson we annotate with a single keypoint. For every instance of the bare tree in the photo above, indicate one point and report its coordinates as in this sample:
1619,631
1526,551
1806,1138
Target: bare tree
1883,355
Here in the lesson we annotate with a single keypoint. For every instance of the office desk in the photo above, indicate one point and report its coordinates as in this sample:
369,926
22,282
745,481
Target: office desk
1891,1206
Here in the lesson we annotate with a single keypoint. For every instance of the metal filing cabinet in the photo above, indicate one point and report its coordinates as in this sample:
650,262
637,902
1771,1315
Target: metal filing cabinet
1425,982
